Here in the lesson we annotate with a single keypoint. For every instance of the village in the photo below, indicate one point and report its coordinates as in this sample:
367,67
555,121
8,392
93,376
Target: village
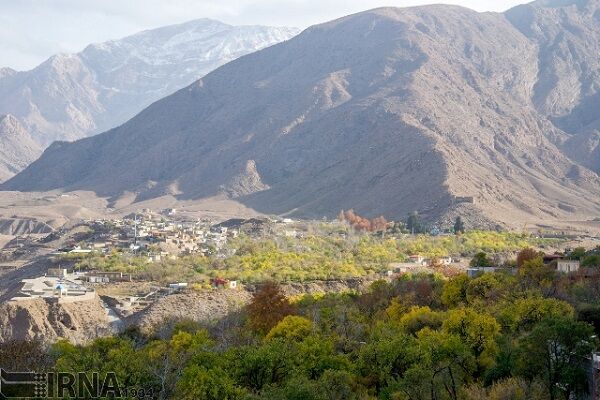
147,235
156,237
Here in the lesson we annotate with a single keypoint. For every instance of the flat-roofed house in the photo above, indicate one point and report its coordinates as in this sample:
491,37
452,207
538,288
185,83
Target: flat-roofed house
567,266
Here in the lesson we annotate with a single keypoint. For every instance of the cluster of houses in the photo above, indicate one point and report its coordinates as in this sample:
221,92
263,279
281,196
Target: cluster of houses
153,236
559,261
418,264
157,236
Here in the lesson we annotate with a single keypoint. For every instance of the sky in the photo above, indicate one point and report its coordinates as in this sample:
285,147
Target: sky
33,30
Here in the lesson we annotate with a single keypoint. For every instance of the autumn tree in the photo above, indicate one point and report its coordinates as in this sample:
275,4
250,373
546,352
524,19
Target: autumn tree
526,254
534,274
362,223
268,306
444,364
454,292
292,327
477,330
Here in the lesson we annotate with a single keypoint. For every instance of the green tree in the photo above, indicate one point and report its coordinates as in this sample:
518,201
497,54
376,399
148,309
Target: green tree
454,292
291,327
522,315
534,275
167,359
200,383
257,367
592,260
477,330
577,253
486,288
554,351
413,223
385,359
481,260
105,355
445,364
418,318
459,225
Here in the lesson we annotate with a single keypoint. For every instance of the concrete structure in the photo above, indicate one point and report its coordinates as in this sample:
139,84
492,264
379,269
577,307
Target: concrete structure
402,268
111,276
57,272
62,289
98,279
416,258
567,266
446,260
178,286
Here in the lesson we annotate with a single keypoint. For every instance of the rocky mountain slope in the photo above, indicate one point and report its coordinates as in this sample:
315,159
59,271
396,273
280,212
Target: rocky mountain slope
71,96
17,148
438,109
567,34
48,322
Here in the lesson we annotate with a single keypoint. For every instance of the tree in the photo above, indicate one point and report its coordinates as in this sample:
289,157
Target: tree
454,292
268,306
578,253
387,357
361,223
291,327
537,276
526,254
481,260
418,318
413,223
522,315
459,225
554,351
487,288
444,364
167,359
24,355
200,383
591,261
477,330
333,385
257,367
510,388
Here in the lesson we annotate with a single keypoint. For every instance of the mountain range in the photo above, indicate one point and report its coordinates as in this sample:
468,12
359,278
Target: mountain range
17,148
71,96
437,109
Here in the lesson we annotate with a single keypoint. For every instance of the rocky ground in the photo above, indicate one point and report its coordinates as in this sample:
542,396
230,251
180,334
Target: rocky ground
38,319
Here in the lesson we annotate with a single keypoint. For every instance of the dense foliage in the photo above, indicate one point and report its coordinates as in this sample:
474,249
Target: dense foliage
418,337
319,255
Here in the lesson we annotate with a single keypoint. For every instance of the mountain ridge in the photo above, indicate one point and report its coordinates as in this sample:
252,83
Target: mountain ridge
17,148
70,96
435,109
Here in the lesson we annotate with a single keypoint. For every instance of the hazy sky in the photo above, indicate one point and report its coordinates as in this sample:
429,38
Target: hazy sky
33,30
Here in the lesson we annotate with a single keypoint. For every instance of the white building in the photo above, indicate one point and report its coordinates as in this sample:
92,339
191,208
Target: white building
567,266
